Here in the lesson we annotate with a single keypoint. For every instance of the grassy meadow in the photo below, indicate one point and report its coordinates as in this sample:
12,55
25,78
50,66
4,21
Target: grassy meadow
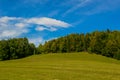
77,66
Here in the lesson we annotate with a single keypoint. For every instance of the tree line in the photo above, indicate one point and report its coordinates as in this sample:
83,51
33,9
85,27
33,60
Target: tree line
106,43
16,48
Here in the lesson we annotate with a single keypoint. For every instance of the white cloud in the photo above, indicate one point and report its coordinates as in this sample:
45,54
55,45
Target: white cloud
37,41
53,29
20,25
11,33
40,28
49,22
16,26
5,19
8,33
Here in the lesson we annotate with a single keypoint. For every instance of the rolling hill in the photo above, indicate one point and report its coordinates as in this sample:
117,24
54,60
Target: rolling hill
64,66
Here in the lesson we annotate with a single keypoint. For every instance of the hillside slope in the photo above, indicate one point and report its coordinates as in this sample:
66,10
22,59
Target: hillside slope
77,66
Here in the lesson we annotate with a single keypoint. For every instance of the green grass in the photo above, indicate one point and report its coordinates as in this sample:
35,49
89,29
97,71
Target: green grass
77,66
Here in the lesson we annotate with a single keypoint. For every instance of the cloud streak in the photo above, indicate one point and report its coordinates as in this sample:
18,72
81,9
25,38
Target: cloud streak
90,7
81,3
15,26
103,6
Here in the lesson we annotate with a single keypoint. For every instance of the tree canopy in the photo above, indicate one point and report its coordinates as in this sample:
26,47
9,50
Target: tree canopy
15,48
106,43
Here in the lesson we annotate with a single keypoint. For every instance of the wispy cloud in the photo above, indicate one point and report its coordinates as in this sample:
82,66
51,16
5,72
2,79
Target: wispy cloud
103,6
76,6
90,7
34,2
77,22
15,26
53,13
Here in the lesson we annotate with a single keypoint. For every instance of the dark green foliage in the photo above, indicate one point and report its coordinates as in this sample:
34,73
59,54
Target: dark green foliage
106,43
15,48
117,55
4,50
40,49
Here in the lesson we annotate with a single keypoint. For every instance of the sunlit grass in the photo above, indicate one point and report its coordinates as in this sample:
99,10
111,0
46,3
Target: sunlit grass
77,66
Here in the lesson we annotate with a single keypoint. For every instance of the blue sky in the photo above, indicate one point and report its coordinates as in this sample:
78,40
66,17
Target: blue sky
42,20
